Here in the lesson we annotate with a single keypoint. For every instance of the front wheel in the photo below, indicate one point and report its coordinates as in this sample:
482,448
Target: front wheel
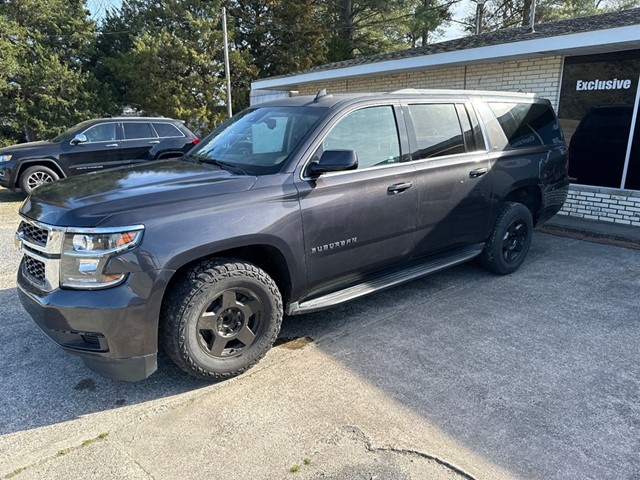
35,176
509,242
221,318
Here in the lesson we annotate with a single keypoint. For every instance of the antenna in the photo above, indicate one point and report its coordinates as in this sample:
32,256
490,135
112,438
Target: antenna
320,95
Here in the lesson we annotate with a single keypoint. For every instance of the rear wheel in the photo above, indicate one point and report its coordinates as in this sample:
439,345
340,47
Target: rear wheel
509,242
35,176
221,318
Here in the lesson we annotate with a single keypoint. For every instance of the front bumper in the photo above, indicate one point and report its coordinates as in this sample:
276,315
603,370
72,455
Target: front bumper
7,175
114,331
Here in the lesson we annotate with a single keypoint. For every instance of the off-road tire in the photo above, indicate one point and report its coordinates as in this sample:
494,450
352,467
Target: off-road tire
35,176
509,242
200,311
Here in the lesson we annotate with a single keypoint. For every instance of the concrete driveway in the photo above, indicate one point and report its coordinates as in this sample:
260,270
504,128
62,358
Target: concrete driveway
462,374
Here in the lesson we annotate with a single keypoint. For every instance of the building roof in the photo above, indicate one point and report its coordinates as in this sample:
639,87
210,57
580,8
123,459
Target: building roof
596,34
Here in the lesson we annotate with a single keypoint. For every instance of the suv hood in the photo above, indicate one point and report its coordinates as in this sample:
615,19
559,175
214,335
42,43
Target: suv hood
89,200
25,147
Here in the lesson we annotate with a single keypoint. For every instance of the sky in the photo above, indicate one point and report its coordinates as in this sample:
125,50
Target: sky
98,8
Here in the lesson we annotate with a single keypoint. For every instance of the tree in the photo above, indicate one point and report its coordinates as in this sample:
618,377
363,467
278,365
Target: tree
509,13
427,17
368,27
166,58
282,36
45,86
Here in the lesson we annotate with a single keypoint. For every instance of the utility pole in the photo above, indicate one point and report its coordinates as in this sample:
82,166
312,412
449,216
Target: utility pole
532,16
479,12
226,60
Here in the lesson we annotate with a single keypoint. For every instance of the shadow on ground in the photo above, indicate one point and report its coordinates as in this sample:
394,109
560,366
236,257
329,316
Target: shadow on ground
535,371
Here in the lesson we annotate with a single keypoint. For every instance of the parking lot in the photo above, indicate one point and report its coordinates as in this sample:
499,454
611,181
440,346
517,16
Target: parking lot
462,374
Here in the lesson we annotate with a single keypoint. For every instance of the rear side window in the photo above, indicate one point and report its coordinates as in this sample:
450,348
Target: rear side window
371,132
138,130
527,125
438,131
167,130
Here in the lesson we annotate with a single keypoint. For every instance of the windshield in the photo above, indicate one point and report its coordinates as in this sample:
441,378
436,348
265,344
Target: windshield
258,140
71,132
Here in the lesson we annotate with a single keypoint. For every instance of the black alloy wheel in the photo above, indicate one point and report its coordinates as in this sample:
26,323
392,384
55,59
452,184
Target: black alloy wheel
231,323
220,317
514,240
507,246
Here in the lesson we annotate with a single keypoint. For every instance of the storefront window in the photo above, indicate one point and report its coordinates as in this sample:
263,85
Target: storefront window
597,102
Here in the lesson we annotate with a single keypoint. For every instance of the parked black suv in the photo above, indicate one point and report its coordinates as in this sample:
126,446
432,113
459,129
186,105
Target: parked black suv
289,207
93,145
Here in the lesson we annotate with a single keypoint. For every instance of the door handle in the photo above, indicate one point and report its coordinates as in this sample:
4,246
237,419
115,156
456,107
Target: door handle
154,141
478,172
399,187
111,145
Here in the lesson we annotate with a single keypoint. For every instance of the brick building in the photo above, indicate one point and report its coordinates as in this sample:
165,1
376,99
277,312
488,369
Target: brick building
588,68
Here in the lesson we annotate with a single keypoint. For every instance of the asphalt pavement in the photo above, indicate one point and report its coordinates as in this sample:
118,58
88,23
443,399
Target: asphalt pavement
462,374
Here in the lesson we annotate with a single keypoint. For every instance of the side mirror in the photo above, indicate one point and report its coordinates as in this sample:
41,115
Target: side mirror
335,161
79,138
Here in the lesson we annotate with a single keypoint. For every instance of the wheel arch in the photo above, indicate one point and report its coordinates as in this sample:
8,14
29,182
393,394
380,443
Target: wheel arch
45,162
530,196
265,256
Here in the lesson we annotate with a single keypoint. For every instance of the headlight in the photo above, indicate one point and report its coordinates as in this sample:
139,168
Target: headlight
86,253
5,157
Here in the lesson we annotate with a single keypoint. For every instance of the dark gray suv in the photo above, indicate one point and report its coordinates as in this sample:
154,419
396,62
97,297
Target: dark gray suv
288,208
93,145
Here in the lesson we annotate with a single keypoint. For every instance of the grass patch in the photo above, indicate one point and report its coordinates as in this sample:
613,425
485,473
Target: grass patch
14,473
307,461
295,469
61,453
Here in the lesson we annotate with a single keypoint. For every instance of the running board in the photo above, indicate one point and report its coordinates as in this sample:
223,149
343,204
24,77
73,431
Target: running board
451,258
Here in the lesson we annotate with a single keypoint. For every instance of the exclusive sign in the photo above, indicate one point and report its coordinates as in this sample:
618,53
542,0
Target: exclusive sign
614,84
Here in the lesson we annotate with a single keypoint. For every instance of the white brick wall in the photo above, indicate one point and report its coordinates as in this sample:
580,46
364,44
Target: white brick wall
535,75
605,204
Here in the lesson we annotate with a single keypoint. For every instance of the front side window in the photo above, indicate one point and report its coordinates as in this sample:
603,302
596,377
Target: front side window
371,132
437,129
135,130
528,125
103,132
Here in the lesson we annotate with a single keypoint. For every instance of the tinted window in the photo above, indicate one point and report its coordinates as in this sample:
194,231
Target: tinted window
473,139
437,130
167,130
138,130
103,132
371,132
527,125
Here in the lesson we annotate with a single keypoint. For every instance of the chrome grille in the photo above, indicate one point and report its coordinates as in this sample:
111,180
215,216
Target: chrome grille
34,269
41,245
34,234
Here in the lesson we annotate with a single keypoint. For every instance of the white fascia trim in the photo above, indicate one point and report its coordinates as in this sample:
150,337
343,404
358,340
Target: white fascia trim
557,45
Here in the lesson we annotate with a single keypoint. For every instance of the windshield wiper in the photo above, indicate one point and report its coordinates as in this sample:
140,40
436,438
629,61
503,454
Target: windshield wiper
230,167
